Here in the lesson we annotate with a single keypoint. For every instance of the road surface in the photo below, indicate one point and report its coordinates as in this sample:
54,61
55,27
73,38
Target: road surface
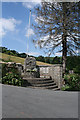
19,102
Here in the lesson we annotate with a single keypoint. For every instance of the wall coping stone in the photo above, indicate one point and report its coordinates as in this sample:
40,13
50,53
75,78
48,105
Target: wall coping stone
50,65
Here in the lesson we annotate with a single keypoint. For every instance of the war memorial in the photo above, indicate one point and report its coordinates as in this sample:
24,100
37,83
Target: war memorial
41,76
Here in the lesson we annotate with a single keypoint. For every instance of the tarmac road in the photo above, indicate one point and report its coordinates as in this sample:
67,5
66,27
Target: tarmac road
19,102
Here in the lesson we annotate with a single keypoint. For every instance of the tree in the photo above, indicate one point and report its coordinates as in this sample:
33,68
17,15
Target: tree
41,58
56,60
47,59
57,26
23,55
4,50
14,52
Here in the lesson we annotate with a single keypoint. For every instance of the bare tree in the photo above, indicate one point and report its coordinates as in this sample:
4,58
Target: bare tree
57,24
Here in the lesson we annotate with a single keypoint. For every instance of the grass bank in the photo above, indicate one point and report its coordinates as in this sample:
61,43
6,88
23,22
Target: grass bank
10,58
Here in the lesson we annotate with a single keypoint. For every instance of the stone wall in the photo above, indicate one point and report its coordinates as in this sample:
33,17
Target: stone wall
19,66
44,71
53,71
56,74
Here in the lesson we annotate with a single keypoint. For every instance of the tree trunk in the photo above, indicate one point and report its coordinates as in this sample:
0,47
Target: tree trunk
64,38
64,53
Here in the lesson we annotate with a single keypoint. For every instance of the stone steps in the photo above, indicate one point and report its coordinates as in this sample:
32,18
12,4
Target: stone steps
44,83
49,88
36,79
56,89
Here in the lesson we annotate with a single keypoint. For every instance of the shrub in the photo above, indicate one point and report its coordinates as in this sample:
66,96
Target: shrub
12,79
4,69
11,76
65,87
73,80
77,69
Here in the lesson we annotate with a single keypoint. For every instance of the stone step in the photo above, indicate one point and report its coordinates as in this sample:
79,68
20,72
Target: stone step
48,87
56,89
51,87
44,85
36,79
41,82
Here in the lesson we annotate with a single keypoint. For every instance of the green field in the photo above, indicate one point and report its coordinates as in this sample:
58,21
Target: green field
9,58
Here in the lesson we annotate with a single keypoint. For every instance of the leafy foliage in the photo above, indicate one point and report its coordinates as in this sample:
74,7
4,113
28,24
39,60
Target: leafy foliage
12,79
73,63
73,80
40,58
65,87
11,76
77,69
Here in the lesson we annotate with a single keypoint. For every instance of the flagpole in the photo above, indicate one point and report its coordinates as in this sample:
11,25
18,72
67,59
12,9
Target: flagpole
28,34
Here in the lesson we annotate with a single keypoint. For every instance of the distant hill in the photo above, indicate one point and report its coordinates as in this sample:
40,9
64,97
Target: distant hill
49,60
12,52
9,58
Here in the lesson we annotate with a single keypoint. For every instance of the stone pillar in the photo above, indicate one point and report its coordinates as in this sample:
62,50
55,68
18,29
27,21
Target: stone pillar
56,74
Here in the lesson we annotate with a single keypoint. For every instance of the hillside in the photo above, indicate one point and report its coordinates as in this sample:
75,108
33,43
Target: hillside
7,58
